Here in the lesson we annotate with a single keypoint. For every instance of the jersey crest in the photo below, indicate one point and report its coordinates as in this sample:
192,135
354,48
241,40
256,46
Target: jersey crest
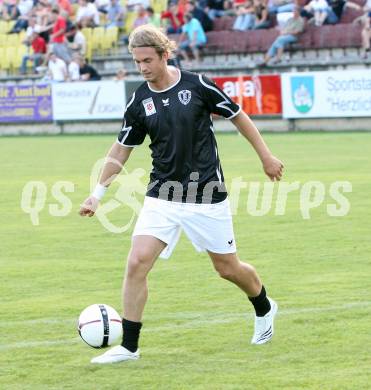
184,96
149,106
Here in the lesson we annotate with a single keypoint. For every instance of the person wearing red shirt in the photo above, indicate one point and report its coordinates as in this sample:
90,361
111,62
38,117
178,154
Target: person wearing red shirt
57,38
39,49
175,18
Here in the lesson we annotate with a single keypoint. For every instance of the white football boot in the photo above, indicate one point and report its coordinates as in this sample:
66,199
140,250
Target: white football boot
264,326
116,354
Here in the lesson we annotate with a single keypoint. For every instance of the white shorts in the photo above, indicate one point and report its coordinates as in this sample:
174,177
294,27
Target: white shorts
208,226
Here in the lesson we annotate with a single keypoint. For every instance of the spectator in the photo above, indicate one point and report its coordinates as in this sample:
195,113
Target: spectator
57,38
200,15
142,17
261,15
153,18
24,7
289,33
319,9
336,9
32,26
57,68
215,8
366,36
252,15
78,44
229,7
102,5
43,12
174,18
115,14
280,6
10,10
195,38
245,19
87,14
74,68
70,29
87,72
133,5
283,17
283,9
39,50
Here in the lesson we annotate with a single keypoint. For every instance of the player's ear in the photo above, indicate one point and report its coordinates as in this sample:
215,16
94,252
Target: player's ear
165,56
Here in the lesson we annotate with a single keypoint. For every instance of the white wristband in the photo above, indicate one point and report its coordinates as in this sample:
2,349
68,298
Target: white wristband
99,191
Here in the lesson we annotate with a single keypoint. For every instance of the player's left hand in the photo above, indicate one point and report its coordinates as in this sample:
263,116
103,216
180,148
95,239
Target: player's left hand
273,168
89,207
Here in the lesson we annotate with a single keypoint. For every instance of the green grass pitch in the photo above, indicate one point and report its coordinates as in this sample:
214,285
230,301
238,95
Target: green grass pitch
197,327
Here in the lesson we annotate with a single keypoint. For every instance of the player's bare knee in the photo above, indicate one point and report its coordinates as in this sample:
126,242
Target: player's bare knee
225,265
225,269
136,269
139,264
226,272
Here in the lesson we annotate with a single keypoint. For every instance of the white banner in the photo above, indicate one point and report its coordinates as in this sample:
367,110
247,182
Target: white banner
88,100
326,94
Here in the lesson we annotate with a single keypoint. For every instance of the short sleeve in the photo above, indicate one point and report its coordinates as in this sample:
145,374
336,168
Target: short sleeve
133,132
217,101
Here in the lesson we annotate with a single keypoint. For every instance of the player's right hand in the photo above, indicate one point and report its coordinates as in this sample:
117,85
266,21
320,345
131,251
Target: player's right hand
273,168
89,207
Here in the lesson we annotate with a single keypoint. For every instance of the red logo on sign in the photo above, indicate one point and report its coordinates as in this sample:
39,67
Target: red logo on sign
258,95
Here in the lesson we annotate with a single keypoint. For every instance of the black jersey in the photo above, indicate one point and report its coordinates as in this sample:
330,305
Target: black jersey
186,166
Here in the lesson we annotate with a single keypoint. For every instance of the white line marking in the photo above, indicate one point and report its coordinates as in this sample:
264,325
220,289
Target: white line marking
192,320
33,344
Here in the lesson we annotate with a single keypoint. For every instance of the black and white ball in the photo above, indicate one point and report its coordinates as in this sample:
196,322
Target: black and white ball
99,325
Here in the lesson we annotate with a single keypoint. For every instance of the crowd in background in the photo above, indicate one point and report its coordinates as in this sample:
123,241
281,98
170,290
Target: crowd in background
53,27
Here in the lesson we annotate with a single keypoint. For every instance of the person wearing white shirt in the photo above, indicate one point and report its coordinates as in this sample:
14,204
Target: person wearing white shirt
32,27
320,10
102,5
57,68
87,14
134,5
74,69
78,45
24,7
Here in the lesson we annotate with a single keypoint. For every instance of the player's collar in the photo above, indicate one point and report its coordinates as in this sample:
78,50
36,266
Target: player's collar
171,86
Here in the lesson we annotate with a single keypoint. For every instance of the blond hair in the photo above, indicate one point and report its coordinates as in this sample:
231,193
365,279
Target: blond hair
151,36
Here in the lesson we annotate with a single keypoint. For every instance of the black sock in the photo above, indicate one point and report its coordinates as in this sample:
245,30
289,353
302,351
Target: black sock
130,335
261,303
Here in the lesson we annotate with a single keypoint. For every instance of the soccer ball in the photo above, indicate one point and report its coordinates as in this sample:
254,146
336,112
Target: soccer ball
99,325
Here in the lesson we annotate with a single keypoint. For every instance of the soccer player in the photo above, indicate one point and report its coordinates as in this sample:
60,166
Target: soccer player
186,189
